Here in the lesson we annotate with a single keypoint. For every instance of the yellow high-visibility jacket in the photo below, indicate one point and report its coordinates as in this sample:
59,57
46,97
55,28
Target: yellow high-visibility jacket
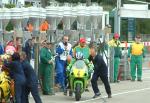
136,49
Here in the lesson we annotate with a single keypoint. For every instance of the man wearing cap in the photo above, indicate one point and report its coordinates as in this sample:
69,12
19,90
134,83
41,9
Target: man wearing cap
135,55
115,43
83,48
45,69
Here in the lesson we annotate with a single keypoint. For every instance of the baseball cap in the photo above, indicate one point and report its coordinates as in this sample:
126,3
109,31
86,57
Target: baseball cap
116,35
82,40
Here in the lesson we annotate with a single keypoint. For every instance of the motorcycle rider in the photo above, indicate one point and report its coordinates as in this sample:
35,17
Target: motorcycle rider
81,51
79,56
84,51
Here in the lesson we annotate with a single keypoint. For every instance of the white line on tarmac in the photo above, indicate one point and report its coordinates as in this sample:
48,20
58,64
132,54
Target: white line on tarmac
146,77
127,92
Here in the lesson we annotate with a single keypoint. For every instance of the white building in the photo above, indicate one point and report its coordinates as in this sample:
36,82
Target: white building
12,1
15,1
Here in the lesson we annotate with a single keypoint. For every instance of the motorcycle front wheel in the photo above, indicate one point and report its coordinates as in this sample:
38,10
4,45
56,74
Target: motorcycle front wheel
78,92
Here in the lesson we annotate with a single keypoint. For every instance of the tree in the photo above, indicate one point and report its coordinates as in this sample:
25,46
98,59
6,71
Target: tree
9,27
88,2
45,3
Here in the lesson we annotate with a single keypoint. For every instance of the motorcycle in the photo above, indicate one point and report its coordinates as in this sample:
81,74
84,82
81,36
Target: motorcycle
6,84
78,78
6,92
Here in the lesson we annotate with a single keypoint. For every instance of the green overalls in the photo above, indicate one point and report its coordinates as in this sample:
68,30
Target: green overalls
45,70
137,52
117,55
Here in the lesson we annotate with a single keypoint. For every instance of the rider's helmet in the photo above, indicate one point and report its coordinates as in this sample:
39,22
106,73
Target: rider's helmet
79,55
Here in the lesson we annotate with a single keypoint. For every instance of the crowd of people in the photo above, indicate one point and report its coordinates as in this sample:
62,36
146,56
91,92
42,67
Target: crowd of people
26,80
21,71
64,51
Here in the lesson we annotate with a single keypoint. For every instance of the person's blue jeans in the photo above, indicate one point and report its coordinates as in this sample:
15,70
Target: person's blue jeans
19,93
33,88
104,79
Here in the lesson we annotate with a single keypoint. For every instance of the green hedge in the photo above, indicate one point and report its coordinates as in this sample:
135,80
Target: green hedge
9,5
9,27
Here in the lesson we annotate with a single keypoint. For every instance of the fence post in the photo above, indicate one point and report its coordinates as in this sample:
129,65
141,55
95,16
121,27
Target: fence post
36,58
111,64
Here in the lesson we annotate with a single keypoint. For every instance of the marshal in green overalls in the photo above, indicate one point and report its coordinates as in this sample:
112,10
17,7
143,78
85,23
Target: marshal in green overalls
115,43
135,55
45,69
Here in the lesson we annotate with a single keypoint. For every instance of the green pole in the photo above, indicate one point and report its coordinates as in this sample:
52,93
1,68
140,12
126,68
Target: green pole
53,79
111,64
36,62
36,58
53,73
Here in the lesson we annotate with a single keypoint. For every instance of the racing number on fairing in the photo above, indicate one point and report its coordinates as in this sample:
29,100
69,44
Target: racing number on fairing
78,73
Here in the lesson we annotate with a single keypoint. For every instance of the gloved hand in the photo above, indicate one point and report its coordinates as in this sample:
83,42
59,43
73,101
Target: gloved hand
91,71
68,69
90,65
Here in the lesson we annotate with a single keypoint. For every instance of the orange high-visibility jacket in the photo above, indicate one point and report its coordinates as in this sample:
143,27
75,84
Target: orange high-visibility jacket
44,26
